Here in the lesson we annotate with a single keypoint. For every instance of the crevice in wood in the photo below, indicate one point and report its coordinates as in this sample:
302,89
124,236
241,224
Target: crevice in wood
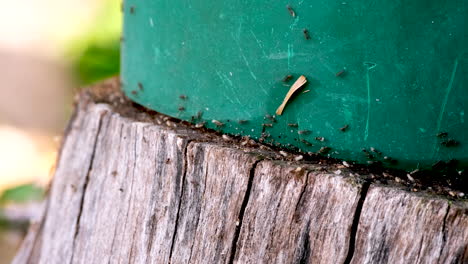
419,250
130,200
199,213
152,225
184,174
240,218
461,256
305,253
444,232
85,185
152,222
328,213
355,225
132,247
301,196
36,247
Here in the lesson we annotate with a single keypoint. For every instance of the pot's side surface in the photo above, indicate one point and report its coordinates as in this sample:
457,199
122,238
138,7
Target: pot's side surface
393,71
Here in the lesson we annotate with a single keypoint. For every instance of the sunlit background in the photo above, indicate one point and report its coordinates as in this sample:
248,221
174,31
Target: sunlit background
48,49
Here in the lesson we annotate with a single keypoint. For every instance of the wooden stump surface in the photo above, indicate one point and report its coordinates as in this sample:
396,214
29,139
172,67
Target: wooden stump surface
127,190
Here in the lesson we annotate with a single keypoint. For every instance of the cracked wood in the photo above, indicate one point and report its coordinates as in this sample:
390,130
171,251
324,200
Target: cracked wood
128,191
402,227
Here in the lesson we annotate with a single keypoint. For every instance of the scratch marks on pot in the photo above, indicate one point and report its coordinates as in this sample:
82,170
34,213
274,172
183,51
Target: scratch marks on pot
331,49
369,66
290,55
448,90
156,54
227,83
326,64
294,23
224,78
247,64
241,52
285,55
345,98
233,97
259,43
239,29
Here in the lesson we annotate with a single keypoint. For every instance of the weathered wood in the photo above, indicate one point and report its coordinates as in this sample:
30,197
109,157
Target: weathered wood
455,235
30,247
69,186
215,187
297,217
127,190
400,227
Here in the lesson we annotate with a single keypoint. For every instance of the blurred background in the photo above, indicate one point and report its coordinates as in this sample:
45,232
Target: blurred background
48,49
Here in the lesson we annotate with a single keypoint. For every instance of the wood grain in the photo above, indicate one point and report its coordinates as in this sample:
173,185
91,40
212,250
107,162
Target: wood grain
131,191
400,227
294,217
215,187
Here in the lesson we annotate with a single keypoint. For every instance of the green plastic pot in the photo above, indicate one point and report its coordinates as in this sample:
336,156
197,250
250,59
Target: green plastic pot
385,76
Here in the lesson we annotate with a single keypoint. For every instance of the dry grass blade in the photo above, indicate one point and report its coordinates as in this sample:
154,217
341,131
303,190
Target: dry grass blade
296,86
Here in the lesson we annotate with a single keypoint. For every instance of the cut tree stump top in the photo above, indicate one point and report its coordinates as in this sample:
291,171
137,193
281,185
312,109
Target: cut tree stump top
133,187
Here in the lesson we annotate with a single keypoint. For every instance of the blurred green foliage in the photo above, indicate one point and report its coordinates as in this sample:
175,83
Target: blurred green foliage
18,195
22,194
95,54
97,62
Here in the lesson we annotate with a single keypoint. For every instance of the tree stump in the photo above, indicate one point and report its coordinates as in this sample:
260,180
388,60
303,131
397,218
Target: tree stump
136,187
